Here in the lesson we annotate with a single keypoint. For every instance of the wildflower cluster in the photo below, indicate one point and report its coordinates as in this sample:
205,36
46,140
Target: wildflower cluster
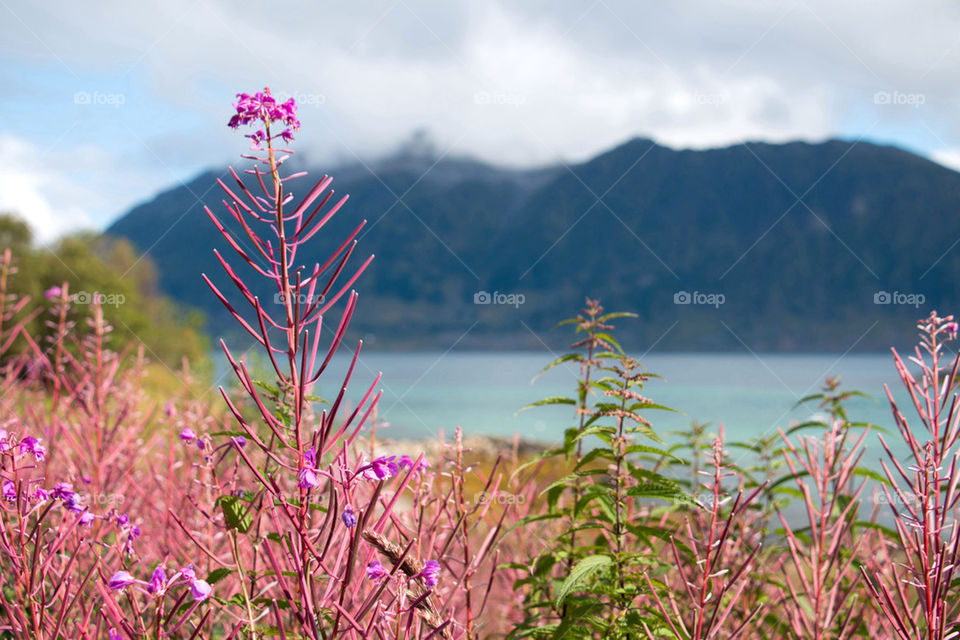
159,583
261,108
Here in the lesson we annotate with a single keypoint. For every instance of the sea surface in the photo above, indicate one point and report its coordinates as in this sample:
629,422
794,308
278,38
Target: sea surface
751,395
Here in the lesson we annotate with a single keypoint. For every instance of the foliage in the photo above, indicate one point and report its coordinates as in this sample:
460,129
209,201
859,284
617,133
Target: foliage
88,265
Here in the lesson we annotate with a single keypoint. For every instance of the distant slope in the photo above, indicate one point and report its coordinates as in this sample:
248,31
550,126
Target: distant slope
797,238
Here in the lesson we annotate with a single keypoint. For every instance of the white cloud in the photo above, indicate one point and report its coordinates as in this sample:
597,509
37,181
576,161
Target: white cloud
27,189
58,190
517,83
949,158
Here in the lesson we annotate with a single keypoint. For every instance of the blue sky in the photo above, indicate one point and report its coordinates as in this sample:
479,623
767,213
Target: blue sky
103,105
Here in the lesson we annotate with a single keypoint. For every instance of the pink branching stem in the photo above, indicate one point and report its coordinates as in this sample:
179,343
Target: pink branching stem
924,497
713,577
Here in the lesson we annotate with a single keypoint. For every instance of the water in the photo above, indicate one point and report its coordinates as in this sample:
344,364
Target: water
751,395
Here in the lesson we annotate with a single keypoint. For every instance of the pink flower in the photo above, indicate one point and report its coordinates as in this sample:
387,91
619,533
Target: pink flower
157,581
263,107
307,477
430,573
73,504
257,137
53,292
381,468
32,445
376,571
349,518
188,434
63,491
200,590
121,580
9,491
406,462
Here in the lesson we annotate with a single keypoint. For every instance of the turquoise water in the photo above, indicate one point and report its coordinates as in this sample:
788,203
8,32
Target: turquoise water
751,395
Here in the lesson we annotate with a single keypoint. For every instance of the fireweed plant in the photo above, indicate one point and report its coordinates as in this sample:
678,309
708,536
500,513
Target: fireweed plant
70,427
821,591
918,587
120,518
312,527
273,513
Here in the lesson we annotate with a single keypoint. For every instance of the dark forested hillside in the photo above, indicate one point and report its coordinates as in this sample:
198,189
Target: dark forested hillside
795,240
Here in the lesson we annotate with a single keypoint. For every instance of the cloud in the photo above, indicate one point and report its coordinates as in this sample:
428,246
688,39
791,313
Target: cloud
515,83
27,189
58,190
949,158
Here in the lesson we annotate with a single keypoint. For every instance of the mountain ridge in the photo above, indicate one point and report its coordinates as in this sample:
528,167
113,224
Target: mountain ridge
797,237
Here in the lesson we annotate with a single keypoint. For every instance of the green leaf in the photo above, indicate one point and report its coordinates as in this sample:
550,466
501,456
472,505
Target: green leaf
235,514
568,480
560,360
537,458
658,490
813,424
613,341
547,401
267,387
869,473
617,314
583,570
887,531
592,455
598,430
640,448
599,495
651,405
232,434
218,574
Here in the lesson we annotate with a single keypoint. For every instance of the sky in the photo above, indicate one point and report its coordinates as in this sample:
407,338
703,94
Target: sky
105,104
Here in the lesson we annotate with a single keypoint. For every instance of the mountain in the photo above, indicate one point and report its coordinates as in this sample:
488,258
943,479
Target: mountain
777,246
